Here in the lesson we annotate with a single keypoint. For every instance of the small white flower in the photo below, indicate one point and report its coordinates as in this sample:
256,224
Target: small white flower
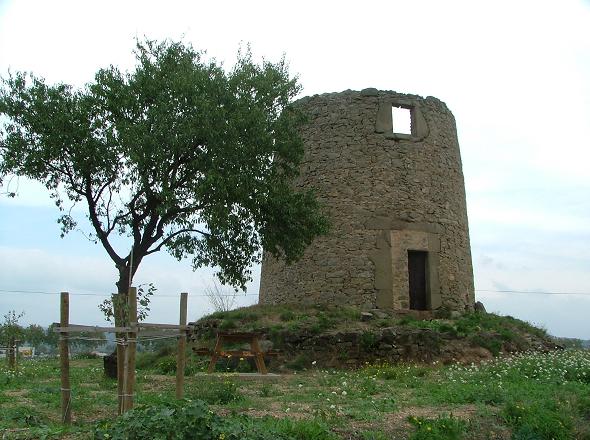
332,406
344,393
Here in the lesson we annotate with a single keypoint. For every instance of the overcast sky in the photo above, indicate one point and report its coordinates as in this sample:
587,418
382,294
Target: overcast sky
515,74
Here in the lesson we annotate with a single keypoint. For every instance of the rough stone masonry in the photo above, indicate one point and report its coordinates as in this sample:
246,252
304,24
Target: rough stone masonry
399,236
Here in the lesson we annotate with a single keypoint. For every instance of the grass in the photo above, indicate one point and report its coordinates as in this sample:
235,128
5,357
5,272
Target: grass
285,317
529,396
506,327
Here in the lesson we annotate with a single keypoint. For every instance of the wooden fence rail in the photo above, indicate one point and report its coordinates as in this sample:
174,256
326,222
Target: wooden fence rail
126,338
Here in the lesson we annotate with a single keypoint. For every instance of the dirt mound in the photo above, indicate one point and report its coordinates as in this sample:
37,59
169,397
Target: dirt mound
337,337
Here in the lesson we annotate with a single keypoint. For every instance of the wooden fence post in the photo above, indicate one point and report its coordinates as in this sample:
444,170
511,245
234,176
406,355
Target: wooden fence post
10,354
16,341
130,351
180,354
64,360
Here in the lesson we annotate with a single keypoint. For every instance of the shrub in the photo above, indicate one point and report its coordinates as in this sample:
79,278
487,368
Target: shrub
294,326
299,363
315,329
447,328
578,370
287,315
299,429
20,416
10,377
382,323
192,420
216,315
373,435
343,313
267,390
583,406
538,421
178,420
443,427
407,319
489,341
507,334
146,360
504,325
325,322
442,313
369,386
167,364
228,324
276,335
217,392
368,341
407,373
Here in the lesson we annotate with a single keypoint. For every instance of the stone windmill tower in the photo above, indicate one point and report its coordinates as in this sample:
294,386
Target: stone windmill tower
396,202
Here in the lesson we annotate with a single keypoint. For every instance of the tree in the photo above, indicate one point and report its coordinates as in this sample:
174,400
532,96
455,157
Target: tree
222,299
34,334
177,154
52,337
10,332
87,341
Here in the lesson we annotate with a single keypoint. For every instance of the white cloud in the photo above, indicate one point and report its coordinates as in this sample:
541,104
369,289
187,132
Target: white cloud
481,211
37,270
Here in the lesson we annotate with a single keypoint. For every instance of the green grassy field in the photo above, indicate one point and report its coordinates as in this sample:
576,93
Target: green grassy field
530,396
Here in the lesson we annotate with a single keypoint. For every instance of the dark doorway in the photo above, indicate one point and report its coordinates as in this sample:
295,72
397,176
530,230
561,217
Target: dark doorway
417,261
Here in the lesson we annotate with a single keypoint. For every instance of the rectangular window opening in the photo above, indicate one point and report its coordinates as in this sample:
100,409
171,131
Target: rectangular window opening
402,120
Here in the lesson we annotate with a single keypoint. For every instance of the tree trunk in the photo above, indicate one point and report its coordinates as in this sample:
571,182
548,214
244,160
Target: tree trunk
124,282
119,312
121,315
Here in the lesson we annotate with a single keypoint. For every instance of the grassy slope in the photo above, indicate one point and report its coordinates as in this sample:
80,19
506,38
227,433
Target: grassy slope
326,318
489,331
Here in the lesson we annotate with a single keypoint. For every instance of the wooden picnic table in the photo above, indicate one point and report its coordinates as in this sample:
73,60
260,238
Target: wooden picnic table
229,337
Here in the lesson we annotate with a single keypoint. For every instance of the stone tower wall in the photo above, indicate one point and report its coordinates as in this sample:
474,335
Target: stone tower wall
384,193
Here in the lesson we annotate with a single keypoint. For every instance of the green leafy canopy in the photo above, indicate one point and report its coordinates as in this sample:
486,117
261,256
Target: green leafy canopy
177,154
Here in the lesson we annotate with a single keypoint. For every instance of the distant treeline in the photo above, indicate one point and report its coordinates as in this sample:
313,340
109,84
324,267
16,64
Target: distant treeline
573,342
45,339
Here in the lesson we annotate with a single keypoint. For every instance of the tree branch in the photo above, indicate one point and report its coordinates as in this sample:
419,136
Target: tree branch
174,212
148,237
174,234
116,219
100,191
102,236
67,174
136,219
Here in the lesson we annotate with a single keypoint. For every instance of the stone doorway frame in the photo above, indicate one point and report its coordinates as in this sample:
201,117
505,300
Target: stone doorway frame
391,263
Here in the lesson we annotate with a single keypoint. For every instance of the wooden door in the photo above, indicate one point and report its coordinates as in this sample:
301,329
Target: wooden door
417,261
